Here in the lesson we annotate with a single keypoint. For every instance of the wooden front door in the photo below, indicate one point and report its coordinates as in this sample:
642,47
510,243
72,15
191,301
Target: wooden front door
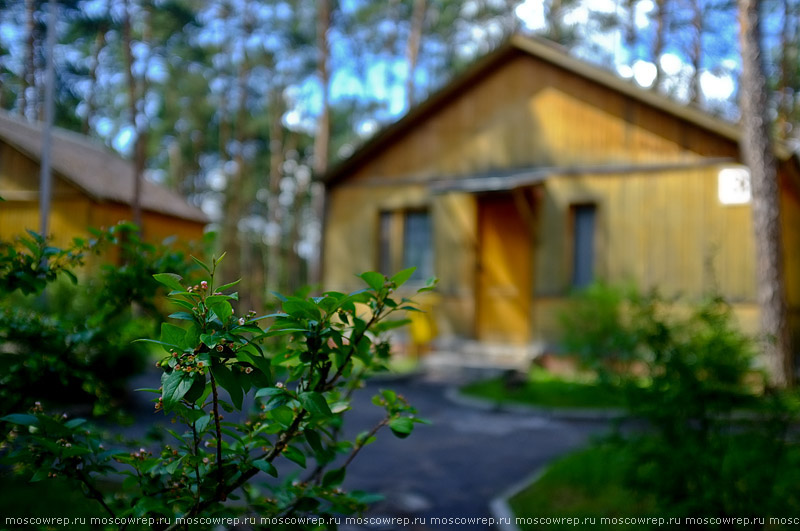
504,272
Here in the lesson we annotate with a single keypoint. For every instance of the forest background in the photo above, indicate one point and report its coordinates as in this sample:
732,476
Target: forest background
242,105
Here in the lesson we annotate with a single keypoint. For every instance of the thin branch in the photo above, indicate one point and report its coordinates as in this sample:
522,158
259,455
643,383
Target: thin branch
215,408
94,493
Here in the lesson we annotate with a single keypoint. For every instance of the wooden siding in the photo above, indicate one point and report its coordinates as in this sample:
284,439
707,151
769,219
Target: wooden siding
663,228
529,113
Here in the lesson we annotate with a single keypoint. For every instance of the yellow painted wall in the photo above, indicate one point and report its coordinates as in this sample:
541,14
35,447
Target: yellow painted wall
662,228
665,229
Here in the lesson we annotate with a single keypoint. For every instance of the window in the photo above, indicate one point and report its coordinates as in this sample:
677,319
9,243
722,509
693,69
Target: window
406,240
583,227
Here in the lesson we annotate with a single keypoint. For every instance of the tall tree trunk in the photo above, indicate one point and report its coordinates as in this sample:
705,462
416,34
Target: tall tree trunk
277,151
759,157
696,52
133,100
555,21
323,134
99,44
660,14
412,50
234,205
788,62
28,74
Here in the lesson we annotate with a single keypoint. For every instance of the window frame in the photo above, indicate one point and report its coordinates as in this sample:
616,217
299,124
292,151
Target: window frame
391,241
573,251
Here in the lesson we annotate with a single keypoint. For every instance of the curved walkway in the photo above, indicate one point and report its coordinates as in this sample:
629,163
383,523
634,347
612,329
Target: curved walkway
455,466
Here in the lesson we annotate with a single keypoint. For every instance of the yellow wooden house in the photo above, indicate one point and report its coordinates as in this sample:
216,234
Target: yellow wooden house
92,187
533,174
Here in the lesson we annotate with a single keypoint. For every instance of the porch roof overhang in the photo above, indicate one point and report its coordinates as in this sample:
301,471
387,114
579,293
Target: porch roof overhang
508,180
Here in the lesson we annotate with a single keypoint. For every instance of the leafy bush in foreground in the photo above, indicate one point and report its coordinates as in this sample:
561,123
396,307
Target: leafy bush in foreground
301,393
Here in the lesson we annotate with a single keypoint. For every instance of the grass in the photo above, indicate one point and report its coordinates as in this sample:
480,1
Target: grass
546,390
588,483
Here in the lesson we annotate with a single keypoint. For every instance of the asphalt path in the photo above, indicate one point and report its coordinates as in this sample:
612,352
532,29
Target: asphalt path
451,469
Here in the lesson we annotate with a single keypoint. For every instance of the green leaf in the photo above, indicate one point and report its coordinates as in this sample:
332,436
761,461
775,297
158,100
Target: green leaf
430,285
173,466
400,278
283,415
223,310
299,308
173,335
74,423
202,423
385,326
333,478
202,264
227,380
315,403
170,280
39,475
214,299
374,280
314,441
183,304
175,386
266,466
21,419
227,286
293,454
184,316
209,340
401,426
261,363
197,389
270,392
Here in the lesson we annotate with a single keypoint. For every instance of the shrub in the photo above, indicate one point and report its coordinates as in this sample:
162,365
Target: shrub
216,358
599,328
71,341
712,447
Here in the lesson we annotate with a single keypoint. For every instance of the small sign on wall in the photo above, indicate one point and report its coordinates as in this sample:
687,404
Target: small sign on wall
734,186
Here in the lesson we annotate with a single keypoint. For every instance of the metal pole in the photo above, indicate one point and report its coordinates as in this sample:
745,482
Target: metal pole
46,175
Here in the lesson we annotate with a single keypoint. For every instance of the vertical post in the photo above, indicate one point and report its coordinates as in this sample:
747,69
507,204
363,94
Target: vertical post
46,176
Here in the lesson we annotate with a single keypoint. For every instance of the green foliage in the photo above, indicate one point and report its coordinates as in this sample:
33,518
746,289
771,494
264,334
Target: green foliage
600,329
213,358
715,447
543,389
28,263
71,342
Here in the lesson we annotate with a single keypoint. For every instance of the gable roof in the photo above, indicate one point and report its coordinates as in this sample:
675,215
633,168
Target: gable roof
92,167
551,53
